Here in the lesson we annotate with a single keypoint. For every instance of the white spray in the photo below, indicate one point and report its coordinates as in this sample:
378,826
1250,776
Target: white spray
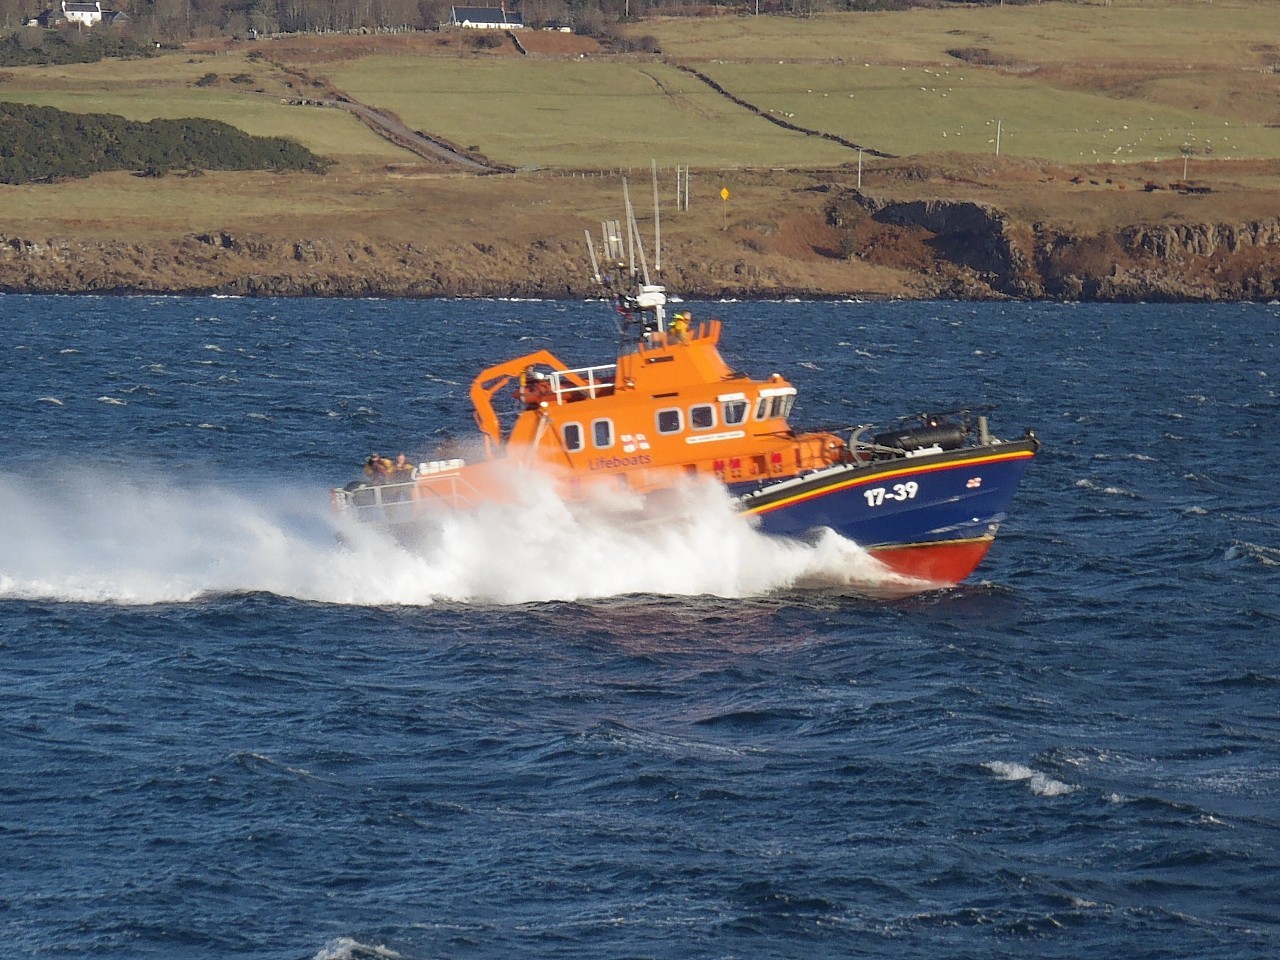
150,541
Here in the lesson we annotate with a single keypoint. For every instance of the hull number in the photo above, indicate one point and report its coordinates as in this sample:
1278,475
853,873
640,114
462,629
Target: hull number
899,493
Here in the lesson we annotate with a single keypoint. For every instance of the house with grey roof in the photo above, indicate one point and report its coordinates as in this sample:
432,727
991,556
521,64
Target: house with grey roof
79,15
83,14
485,18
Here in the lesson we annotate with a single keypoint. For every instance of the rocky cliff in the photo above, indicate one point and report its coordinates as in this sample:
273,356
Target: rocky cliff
977,250
940,248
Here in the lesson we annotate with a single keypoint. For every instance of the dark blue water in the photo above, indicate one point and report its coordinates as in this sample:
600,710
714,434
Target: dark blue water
552,735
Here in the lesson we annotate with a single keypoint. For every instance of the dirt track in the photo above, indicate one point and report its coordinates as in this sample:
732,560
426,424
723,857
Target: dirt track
390,128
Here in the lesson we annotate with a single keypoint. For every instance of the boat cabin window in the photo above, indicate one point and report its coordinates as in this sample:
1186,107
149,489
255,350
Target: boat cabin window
735,411
602,433
572,433
702,417
669,420
775,406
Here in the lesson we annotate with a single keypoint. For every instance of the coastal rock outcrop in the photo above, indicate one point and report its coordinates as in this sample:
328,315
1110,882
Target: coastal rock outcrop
983,252
938,248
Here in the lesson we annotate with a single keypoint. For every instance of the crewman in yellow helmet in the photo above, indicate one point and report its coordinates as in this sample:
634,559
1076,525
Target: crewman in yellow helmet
678,328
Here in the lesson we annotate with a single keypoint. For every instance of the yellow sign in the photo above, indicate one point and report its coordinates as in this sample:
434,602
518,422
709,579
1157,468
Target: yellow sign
724,193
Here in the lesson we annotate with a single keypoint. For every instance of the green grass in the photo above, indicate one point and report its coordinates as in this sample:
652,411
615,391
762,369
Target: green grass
1226,32
328,132
1135,80
162,87
911,110
577,114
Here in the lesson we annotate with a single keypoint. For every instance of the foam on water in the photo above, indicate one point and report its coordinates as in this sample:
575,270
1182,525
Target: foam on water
348,948
1040,784
152,540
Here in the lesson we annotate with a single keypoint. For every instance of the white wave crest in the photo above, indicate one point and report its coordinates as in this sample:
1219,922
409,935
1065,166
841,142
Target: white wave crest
1039,783
348,948
154,540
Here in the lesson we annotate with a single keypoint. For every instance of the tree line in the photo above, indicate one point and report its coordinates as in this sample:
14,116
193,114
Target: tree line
47,144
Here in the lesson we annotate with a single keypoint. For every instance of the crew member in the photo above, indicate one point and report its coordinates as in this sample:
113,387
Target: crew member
378,468
401,470
678,328
534,387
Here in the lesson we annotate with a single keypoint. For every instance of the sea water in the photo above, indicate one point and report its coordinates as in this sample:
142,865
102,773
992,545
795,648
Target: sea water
563,733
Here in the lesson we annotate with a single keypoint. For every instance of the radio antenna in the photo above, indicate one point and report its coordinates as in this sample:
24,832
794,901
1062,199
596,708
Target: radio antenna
657,223
595,264
633,231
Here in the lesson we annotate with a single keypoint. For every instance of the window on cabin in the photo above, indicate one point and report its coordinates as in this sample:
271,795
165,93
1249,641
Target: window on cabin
602,433
762,408
735,411
669,420
572,434
784,405
702,417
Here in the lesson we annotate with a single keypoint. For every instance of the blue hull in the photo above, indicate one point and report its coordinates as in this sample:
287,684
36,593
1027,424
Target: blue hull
961,495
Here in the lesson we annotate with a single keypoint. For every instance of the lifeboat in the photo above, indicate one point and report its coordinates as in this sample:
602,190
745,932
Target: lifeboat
925,495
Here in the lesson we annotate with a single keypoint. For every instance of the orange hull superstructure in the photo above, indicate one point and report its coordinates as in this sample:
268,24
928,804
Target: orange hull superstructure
664,409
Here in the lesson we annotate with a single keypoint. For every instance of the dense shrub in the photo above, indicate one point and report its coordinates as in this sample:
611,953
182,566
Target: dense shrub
486,39
29,47
621,43
42,143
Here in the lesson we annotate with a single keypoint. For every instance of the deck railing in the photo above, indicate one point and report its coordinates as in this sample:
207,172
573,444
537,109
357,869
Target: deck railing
437,484
597,381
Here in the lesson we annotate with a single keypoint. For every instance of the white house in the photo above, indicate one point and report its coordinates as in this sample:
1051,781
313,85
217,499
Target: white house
485,18
84,14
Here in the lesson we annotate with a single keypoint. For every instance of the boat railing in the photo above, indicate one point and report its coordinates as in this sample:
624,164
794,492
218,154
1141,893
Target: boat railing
404,501
583,383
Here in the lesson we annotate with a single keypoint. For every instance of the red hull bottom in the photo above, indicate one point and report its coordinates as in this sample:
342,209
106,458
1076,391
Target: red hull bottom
944,564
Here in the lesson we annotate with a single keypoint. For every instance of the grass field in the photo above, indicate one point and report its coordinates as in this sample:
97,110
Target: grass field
1135,80
921,109
164,87
1228,33
1070,82
577,114
1138,80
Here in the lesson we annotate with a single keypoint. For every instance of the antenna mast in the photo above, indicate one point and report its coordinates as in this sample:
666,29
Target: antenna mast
657,223
647,300
595,264
633,234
